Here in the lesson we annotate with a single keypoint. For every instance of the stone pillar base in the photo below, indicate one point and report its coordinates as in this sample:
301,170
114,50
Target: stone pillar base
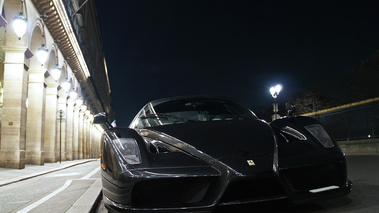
63,156
50,157
12,159
37,158
69,157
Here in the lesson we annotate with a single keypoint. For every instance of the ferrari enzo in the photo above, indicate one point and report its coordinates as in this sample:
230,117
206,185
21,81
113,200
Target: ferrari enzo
192,154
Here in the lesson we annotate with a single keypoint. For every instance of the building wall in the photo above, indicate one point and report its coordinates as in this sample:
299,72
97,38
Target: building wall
32,129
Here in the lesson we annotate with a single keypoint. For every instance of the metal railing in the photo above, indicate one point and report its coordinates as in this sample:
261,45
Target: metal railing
359,120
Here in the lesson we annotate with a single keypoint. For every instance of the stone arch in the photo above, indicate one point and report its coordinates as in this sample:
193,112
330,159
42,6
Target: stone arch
51,146
2,29
54,49
82,95
34,141
65,69
15,91
75,85
63,78
36,39
52,61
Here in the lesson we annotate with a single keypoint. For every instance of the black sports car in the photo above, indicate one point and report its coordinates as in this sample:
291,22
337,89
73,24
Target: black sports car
194,153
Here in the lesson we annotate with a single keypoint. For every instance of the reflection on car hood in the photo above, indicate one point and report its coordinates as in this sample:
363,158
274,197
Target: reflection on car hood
232,142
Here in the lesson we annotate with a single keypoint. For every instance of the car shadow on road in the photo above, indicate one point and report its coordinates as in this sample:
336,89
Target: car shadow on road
281,207
363,198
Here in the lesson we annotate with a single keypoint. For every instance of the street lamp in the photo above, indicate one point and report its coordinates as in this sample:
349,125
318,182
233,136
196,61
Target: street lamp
78,102
42,54
274,91
66,85
61,116
73,95
20,23
56,72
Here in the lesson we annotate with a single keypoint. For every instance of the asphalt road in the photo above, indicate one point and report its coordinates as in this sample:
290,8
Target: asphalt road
31,195
363,170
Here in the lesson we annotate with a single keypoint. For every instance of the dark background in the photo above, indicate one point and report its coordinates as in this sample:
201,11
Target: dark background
161,48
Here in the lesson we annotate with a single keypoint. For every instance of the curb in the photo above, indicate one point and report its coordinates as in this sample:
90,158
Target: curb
97,202
89,201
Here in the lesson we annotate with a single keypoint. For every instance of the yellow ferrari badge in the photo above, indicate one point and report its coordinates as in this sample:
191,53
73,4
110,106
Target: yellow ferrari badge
250,162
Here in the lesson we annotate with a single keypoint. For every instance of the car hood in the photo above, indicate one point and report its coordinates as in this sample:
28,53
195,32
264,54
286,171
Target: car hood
231,142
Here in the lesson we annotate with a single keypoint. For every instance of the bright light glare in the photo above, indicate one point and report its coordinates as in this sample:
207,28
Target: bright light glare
73,95
278,88
56,72
66,85
274,91
42,54
19,25
79,102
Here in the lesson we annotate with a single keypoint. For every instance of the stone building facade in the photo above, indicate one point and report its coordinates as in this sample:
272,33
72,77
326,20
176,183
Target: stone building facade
47,117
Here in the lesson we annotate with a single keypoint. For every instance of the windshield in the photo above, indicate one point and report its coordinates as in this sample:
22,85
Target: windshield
190,110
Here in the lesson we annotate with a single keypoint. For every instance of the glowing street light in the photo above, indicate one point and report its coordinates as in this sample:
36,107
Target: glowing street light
73,95
42,54
78,102
274,91
66,85
56,72
19,25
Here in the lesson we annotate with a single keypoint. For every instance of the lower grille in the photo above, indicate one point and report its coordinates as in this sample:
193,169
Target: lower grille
172,192
253,190
312,177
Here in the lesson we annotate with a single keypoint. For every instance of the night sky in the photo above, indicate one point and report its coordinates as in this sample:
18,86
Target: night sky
163,48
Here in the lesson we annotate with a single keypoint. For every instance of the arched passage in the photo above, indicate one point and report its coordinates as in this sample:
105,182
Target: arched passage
62,108
34,145
13,119
51,144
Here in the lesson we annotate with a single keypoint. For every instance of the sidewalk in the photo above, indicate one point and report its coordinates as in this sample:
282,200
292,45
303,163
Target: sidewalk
8,176
85,203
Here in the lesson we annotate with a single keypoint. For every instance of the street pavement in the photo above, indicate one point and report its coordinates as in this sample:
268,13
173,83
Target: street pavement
363,170
82,193
76,195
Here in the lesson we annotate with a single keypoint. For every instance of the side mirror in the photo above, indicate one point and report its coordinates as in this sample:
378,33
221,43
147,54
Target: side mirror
102,119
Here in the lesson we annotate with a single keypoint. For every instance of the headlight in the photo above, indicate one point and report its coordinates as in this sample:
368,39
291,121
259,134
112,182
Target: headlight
129,150
320,134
